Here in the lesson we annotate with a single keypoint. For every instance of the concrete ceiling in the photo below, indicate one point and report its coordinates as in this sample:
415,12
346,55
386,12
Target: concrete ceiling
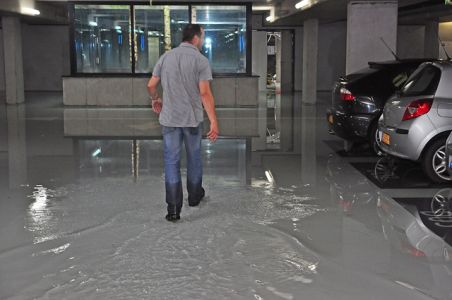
411,11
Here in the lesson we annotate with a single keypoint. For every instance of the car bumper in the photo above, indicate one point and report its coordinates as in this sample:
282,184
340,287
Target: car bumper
405,143
349,127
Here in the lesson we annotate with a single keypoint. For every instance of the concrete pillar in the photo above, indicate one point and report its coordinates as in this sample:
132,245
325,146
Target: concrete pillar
286,123
310,63
12,48
286,61
367,23
298,60
431,43
259,66
17,150
308,146
278,51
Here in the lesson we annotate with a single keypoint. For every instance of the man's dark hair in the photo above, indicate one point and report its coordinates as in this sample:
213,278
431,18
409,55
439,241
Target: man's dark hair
190,31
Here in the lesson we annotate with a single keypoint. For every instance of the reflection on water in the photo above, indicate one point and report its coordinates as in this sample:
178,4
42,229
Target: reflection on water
42,218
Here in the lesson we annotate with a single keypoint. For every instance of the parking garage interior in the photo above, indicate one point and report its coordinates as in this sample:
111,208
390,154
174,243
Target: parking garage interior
293,210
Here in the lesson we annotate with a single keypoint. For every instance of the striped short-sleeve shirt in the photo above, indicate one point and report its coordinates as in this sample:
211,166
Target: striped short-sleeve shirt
180,71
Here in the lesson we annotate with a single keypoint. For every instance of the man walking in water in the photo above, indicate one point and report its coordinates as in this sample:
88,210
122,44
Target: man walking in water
185,76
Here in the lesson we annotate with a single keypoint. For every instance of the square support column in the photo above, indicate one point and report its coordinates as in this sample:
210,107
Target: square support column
367,23
431,44
12,48
310,63
286,61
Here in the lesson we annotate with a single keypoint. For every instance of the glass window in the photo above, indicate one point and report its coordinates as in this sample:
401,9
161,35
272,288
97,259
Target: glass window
102,38
225,36
157,29
422,83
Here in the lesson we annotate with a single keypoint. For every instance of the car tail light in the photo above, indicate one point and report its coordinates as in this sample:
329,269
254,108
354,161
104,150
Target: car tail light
346,95
406,248
417,108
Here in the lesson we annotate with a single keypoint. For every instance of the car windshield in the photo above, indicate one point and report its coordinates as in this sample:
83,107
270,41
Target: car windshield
423,82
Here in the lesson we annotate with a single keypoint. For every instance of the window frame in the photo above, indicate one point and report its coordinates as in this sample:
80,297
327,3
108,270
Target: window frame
133,73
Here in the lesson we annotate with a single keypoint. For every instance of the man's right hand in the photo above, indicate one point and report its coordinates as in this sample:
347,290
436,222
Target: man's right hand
214,132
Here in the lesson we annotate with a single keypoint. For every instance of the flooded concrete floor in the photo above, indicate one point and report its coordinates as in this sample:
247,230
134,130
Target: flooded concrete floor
82,215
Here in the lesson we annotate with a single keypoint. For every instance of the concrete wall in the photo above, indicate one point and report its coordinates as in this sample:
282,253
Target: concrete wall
410,41
128,91
107,122
259,57
332,52
2,64
45,57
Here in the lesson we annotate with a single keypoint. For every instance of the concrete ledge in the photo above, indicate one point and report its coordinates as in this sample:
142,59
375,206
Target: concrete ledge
131,91
143,123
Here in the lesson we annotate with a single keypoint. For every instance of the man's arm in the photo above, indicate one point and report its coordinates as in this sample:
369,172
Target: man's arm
209,106
153,92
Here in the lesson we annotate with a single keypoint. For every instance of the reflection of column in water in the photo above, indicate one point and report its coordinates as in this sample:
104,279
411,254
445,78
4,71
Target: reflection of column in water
17,152
244,161
286,121
308,145
135,158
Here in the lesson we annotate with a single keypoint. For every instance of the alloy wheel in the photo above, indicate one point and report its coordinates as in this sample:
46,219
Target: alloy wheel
439,164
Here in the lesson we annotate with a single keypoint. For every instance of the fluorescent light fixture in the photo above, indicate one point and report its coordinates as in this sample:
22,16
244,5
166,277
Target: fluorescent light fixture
96,152
92,23
116,27
302,4
262,8
208,43
269,176
30,11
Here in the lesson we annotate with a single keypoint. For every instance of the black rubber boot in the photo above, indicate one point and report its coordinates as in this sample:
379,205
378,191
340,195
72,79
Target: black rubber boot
172,217
193,202
174,199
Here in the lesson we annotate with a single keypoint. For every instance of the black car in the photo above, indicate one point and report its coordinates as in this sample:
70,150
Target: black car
359,98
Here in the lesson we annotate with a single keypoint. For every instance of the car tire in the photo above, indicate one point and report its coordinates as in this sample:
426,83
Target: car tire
373,140
432,159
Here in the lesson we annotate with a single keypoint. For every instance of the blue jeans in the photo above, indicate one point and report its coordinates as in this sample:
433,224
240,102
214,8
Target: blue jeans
173,138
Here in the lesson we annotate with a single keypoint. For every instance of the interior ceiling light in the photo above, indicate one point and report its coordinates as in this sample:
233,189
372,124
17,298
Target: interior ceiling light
261,8
30,11
302,4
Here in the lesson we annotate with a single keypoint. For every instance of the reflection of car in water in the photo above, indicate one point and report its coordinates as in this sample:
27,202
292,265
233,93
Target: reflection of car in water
391,169
414,228
349,193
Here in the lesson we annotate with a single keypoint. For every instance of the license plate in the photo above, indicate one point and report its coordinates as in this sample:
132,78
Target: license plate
386,139
330,119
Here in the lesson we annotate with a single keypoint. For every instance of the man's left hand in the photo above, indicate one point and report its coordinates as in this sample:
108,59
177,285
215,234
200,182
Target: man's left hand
157,105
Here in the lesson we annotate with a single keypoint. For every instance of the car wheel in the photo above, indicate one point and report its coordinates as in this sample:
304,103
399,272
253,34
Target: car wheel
435,162
373,136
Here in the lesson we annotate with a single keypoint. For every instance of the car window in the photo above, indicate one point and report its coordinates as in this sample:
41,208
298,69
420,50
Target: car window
399,79
423,82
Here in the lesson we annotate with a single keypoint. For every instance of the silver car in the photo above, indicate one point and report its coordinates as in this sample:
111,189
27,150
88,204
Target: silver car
417,121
